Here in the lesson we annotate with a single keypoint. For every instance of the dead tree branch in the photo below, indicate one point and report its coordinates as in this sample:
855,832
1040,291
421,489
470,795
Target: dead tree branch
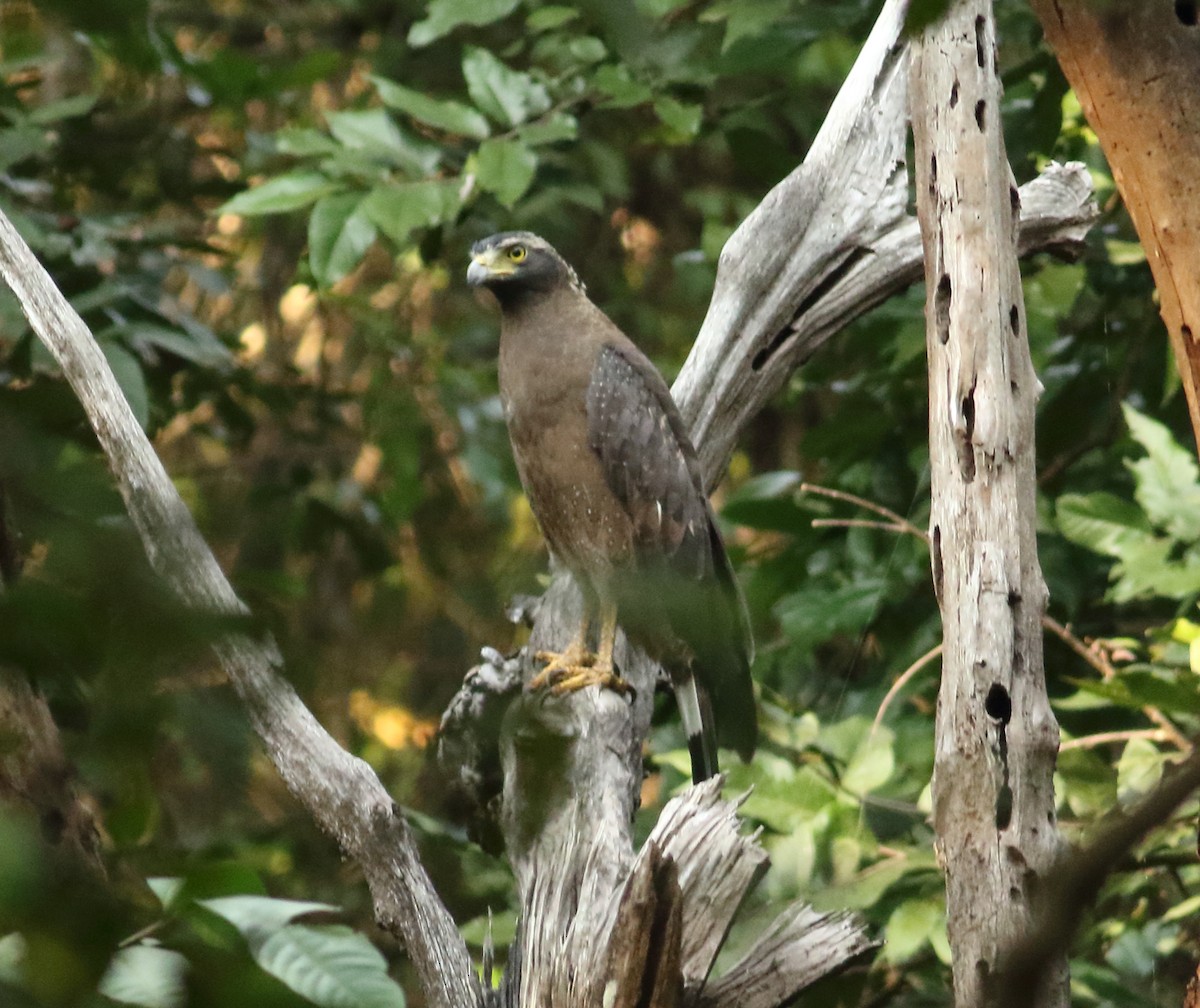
996,736
340,791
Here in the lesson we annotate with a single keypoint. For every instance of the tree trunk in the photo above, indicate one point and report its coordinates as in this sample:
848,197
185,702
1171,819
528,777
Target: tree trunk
993,794
1136,70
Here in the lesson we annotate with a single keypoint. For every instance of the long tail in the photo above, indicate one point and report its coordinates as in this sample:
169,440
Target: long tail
695,709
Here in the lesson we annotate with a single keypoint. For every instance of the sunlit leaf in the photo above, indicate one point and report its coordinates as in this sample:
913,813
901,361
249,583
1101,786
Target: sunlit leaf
681,118
146,975
506,168
259,917
339,234
443,16
281,194
398,210
333,967
451,116
1168,481
909,928
508,96
1139,768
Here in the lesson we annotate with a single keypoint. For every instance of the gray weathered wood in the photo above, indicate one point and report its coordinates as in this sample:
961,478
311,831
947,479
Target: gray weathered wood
340,791
793,953
996,737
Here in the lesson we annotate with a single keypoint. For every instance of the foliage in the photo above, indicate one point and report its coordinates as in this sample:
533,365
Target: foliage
264,211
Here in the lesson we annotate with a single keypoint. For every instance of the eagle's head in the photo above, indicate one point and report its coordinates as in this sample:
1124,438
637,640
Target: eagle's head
516,263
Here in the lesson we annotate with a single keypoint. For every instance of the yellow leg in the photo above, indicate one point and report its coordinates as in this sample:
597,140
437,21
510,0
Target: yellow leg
573,659
600,671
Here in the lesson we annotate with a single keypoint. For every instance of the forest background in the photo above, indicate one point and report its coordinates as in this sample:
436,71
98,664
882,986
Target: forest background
263,212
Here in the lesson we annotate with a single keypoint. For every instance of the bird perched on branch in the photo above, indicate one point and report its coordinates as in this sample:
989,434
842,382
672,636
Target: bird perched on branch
614,482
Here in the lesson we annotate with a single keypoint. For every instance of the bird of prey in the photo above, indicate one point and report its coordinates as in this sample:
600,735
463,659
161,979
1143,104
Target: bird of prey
614,482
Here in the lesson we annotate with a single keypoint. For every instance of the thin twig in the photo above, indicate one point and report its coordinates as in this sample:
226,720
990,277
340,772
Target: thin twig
903,524
1094,657
902,680
1103,738
858,523
1099,661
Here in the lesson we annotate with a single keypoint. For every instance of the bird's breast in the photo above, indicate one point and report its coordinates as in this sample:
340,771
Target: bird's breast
585,525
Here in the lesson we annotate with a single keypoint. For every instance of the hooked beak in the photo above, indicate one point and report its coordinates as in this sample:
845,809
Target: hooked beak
487,265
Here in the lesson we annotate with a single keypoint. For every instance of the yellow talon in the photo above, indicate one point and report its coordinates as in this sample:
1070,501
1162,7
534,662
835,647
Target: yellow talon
576,668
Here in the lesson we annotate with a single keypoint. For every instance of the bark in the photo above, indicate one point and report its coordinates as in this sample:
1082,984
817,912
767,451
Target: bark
996,737
1136,68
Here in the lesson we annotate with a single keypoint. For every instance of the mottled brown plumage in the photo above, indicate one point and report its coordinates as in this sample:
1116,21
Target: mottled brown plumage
614,482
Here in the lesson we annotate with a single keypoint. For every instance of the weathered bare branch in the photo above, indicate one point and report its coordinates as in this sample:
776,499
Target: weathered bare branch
340,791
996,737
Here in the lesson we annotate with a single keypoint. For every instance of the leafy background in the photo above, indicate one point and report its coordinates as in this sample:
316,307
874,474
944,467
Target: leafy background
263,212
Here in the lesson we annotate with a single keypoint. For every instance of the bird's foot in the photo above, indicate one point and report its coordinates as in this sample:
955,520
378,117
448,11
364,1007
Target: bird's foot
604,676
561,665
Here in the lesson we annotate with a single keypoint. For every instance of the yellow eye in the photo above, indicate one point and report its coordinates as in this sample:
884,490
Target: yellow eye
518,253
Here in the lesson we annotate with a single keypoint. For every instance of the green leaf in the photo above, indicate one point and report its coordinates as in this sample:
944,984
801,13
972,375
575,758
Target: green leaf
446,15
1168,481
281,194
451,116
12,959
909,928
1139,769
617,84
304,141
506,168
681,119
871,765
165,888
64,108
1102,522
260,917
551,129
508,96
333,967
339,234
869,885
746,18
127,369
198,345
369,130
553,16
399,210
146,975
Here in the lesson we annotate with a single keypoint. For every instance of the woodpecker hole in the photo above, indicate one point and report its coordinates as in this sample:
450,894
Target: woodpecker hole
1014,320
1185,10
1004,804
941,307
980,110
998,704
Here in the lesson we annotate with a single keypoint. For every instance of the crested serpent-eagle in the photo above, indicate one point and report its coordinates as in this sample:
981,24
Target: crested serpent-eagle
614,482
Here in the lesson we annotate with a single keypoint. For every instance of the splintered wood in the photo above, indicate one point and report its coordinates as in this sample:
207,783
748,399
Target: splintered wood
651,940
